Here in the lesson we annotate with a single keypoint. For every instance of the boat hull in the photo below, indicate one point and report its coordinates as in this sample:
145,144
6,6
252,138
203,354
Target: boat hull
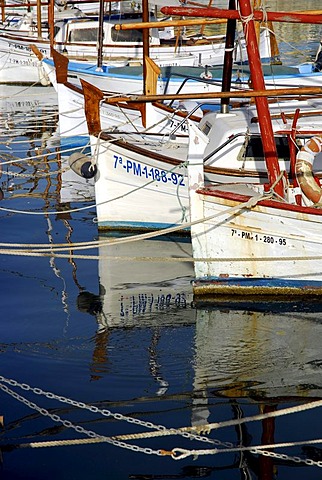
135,191
271,248
16,53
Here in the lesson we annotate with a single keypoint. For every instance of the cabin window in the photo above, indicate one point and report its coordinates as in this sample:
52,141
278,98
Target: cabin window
129,36
85,35
206,128
253,148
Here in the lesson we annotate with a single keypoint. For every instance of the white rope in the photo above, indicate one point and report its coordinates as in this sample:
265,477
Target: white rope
44,248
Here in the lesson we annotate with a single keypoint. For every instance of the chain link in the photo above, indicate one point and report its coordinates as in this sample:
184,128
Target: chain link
176,454
77,428
116,416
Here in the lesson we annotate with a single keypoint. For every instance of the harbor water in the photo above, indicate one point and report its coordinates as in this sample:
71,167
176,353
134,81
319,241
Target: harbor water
102,339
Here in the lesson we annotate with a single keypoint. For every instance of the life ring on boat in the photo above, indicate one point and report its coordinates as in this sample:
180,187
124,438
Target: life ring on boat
304,169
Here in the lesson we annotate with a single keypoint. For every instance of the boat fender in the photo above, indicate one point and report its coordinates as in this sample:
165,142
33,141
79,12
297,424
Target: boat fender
207,75
88,302
82,165
42,75
304,169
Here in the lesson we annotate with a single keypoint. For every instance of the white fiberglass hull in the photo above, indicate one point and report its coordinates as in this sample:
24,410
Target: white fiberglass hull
138,191
18,64
246,241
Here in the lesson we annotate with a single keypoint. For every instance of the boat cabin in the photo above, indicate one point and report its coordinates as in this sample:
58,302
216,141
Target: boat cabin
230,143
85,31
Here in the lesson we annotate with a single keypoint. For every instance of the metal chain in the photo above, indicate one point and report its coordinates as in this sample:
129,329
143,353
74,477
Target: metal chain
181,453
176,453
117,416
78,428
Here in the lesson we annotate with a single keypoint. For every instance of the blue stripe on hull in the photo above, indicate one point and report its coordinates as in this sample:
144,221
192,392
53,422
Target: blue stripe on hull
79,141
140,226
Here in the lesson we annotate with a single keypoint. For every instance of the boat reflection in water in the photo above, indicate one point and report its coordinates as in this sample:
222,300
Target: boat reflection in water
139,281
273,349
247,358
264,354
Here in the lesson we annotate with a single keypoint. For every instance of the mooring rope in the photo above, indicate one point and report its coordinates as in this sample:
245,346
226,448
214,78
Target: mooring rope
48,251
175,453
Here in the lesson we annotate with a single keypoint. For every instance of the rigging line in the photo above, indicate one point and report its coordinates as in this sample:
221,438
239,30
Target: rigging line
42,253
42,156
54,212
249,204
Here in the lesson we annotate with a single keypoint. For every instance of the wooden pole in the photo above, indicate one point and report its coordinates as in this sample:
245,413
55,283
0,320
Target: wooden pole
286,17
39,30
273,92
228,58
51,20
170,23
146,41
3,16
265,124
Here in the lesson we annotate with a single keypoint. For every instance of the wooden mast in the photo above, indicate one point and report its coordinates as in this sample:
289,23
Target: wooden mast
265,124
39,30
146,41
100,39
51,24
228,58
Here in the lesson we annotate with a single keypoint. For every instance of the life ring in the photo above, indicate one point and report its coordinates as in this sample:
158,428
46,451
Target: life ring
304,169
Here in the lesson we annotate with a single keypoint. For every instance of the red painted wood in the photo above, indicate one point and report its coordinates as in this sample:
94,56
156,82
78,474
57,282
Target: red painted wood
263,112
286,17
239,198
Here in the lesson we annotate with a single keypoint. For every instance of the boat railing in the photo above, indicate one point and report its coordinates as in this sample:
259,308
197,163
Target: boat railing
186,78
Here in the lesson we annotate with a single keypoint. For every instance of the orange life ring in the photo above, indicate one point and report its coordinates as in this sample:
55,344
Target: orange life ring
304,169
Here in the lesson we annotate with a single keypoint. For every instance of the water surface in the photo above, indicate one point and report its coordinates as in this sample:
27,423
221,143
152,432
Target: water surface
115,327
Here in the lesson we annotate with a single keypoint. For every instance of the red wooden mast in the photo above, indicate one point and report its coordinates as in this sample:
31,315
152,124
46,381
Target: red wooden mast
286,17
265,122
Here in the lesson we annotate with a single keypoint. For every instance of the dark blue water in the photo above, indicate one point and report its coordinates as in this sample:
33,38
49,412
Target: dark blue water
112,328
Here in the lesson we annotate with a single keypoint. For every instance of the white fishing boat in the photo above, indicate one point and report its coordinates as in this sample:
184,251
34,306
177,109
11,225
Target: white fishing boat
149,171
180,75
259,239
79,38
